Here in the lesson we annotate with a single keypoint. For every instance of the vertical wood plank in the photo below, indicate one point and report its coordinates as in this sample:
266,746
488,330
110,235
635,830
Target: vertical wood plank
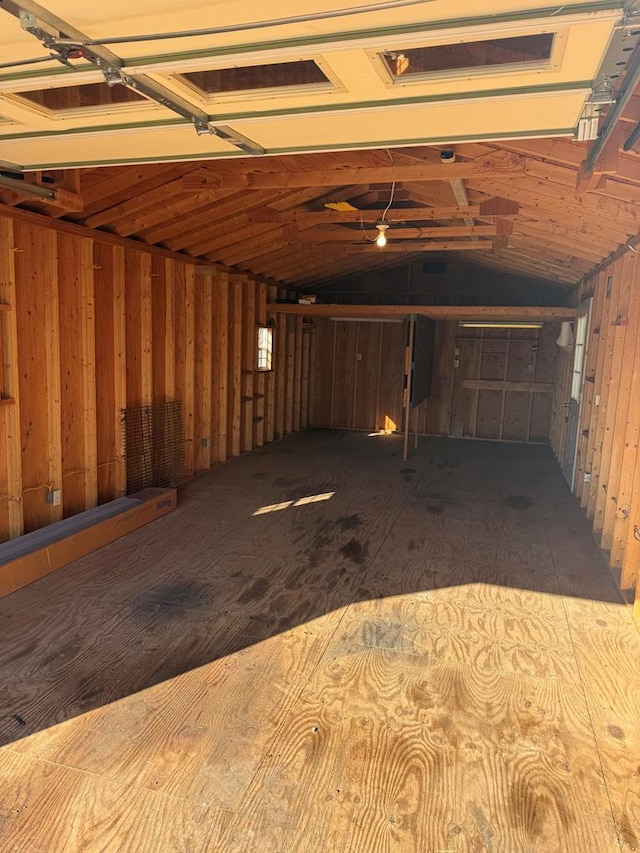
613,403
163,329
78,373
138,328
630,574
185,356
111,375
344,373
235,365
281,361
351,422
297,375
248,362
290,375
36,265
52,331
306,360
389,415
369,345
616,426
323,373
203,360
169,329
590,422
260,380
439,414
627,486
611,343
12,515
220,370
591,361
270,393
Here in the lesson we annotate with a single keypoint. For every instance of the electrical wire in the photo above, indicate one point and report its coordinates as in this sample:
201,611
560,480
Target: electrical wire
364,232
262,25
393,189
382,218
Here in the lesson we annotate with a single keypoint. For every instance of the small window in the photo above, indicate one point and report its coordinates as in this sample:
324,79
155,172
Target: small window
79,97
265,348
246,78
519,50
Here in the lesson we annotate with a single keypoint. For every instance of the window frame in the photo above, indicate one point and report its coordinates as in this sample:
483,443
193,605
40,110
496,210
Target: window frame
261,349
554,63
333,84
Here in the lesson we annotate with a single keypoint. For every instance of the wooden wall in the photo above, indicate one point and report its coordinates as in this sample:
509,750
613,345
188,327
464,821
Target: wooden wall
487,383
88,327
607,482
503,384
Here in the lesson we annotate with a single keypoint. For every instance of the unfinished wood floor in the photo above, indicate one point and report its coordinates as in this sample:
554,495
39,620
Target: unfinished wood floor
326,651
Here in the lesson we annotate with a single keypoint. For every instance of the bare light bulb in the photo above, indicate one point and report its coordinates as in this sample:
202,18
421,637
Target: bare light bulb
381,239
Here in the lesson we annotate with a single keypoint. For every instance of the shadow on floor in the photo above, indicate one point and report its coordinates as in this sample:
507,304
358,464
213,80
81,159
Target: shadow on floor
281,537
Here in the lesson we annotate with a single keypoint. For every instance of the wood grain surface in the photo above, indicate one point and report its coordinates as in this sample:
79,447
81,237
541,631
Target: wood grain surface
324,649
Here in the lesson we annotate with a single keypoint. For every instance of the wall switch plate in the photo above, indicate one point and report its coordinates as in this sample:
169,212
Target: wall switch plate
54,497
206,442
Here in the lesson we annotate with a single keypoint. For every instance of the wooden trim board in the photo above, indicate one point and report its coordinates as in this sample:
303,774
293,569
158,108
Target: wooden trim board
471,313
34,555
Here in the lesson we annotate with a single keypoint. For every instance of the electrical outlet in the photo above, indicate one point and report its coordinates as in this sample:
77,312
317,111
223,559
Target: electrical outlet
587,476
456,362
596,401
54,497
206,442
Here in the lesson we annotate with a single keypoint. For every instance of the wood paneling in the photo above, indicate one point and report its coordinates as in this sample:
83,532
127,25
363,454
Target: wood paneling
491,393
504,382
78,374
11,515
220,370
92,327
607,482
111,386
39,369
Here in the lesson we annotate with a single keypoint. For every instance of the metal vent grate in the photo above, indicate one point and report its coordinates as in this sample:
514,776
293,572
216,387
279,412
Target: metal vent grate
154,445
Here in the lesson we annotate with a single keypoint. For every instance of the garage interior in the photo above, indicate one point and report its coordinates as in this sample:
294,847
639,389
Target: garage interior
319,427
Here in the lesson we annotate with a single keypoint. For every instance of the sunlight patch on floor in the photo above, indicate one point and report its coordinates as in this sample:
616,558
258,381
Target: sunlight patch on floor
310,499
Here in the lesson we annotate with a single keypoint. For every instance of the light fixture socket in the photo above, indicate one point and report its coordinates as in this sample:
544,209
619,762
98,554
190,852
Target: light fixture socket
381,239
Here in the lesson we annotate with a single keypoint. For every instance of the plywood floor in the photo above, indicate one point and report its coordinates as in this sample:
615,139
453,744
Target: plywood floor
426,657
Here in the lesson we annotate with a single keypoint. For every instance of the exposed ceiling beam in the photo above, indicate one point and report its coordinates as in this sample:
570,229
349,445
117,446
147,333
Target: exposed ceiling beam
461,196
436,312
498,163
398,214
432,246
321,234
